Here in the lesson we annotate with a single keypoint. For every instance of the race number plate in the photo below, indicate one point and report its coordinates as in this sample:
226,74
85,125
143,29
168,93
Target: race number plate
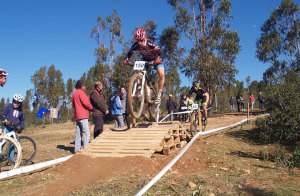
195,106
139,65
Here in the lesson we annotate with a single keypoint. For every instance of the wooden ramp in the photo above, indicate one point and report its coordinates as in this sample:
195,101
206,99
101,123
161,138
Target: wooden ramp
144,140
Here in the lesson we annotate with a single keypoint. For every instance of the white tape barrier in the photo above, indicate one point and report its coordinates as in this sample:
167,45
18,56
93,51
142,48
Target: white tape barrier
30,168
164,170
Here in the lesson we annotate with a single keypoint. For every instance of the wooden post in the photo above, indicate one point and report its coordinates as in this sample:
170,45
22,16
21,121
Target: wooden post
248,111
199,119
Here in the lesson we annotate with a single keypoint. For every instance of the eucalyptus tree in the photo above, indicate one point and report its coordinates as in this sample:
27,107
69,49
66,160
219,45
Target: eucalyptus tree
2,103
214,46
168,42
279,41
48,87
111,25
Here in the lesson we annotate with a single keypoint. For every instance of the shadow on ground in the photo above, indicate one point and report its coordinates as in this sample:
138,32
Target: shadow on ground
66,148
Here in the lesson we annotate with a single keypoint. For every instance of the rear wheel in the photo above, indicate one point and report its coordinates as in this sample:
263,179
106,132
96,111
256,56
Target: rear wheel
194,123
29,149
136,96
13,151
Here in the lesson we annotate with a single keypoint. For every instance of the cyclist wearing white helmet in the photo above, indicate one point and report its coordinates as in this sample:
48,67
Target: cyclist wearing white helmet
14,112
3,75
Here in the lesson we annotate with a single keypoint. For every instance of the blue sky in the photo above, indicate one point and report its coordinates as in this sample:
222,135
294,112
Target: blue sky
36,33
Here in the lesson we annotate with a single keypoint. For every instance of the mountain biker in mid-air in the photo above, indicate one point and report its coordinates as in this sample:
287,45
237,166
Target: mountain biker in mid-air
202,96
3,75
150,52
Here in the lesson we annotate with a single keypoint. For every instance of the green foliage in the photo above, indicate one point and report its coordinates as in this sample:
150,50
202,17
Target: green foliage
279,42
205,24
283,104
169,45
283,159
2,104
48,87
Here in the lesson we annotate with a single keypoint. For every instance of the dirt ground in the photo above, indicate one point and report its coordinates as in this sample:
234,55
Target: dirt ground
227,163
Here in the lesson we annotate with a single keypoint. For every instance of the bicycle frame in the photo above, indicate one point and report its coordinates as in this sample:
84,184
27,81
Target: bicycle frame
9,133
141,67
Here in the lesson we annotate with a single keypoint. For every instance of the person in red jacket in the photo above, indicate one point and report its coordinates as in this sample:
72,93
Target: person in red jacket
81,104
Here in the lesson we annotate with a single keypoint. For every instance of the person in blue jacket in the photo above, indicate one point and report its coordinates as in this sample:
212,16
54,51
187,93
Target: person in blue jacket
13,112
116,110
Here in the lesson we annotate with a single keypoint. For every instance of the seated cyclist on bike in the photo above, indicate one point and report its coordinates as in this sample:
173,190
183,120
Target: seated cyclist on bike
150,52
14,112
202,96
3,75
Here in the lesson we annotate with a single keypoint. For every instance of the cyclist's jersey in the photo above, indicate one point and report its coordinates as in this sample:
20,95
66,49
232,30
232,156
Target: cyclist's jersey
16,115
200,93
149,52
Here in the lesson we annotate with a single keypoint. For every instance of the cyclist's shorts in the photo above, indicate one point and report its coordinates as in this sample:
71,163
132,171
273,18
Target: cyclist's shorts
160,65
201,98
204,104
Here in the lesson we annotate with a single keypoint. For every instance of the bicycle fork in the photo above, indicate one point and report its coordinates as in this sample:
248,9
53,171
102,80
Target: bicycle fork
142,85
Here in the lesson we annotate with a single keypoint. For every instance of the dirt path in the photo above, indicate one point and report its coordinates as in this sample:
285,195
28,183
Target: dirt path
80,170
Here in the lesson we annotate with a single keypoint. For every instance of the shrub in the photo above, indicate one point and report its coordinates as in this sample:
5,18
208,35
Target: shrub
283,104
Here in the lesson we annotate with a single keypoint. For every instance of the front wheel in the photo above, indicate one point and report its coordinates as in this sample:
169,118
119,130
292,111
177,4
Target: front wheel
136,95
29,149
12,151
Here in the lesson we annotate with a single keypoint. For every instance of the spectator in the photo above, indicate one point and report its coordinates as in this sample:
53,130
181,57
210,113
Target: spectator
231,101
82,105
125,109
261,100
189,102
183,108
252,100
116,110
238,102
171,106
242,104
100,108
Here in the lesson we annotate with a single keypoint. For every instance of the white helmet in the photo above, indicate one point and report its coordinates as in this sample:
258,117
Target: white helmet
18,98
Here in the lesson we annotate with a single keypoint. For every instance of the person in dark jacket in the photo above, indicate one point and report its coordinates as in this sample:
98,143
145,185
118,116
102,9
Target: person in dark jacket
125,109
183,108
261,100
171,106
14,112
82,106
100,108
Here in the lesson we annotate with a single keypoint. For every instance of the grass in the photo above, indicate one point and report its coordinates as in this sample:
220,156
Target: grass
234,162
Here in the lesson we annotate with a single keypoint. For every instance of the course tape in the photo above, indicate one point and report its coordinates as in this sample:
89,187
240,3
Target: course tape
171,163
30,168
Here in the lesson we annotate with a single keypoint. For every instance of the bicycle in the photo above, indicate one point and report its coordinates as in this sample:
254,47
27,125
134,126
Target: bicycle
143,90
9,147
194,119
27,144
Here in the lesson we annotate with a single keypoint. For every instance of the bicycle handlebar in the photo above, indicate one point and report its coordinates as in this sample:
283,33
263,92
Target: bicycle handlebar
7,122
147,62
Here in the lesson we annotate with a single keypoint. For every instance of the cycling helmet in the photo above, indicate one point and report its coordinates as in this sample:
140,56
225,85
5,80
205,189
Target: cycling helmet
3,72
18,98
196,84
140,34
